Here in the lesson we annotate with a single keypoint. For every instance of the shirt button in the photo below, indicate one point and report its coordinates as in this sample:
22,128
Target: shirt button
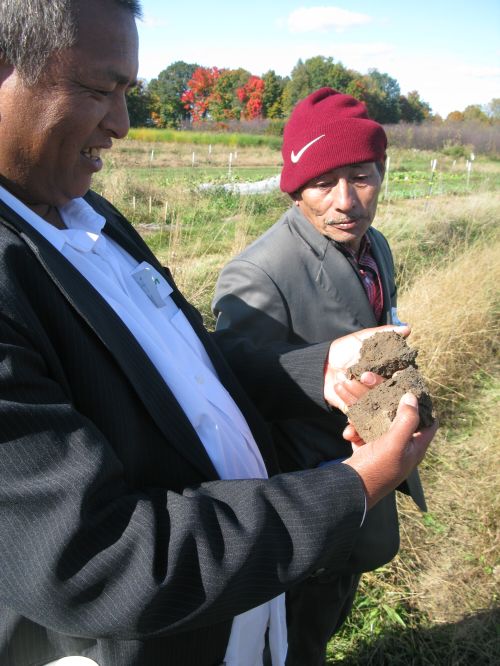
200,379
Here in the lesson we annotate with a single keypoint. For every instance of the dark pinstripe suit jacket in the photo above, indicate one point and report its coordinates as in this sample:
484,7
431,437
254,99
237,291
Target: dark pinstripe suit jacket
117,540
293,285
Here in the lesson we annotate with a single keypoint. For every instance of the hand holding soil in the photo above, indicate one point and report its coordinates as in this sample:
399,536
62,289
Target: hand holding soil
341,389
384,463
387,354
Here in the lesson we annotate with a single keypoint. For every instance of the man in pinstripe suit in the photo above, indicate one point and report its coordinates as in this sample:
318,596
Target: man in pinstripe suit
138,525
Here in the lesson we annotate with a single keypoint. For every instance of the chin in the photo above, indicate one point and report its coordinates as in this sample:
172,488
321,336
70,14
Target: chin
76,192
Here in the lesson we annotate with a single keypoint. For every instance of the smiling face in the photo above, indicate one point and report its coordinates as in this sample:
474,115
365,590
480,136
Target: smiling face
341,204
52,133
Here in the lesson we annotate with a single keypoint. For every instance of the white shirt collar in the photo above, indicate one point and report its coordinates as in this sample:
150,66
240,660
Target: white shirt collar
84,225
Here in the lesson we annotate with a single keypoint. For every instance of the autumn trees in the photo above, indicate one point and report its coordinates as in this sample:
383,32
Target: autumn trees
189,93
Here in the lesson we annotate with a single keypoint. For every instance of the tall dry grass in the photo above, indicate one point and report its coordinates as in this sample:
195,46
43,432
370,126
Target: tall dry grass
456,315
454,309
447,255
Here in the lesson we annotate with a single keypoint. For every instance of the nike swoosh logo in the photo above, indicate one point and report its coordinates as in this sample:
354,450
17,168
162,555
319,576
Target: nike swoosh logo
296,157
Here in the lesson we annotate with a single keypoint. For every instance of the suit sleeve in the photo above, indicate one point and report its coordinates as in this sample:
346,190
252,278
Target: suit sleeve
86,553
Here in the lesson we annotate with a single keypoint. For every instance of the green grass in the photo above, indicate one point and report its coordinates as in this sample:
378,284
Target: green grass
152,135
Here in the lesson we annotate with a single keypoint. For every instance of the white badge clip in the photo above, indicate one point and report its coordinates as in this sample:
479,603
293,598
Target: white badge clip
395,319
152,284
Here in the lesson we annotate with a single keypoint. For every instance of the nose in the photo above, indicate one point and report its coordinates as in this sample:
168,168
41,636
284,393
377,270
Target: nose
116,121
343,195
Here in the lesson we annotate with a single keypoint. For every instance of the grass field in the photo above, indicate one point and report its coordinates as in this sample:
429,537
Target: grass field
437,602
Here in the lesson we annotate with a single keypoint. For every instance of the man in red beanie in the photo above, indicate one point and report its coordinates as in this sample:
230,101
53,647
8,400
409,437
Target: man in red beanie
319,273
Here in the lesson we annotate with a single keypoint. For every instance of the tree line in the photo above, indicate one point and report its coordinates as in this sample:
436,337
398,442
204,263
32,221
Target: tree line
185,94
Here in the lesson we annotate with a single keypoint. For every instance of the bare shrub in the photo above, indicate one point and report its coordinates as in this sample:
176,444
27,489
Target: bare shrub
468,136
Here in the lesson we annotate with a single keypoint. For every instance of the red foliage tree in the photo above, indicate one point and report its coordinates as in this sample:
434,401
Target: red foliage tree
196,98
251,95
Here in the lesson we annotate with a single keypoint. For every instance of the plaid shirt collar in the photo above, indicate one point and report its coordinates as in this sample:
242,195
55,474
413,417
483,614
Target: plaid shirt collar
366,267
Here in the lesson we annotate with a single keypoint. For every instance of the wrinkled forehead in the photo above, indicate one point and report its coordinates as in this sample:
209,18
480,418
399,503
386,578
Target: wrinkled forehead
339,172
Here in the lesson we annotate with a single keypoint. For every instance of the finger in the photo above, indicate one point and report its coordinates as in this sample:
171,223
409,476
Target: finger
332,398
357,445
351,391
351,435
425,436
406,420
371,379
403,330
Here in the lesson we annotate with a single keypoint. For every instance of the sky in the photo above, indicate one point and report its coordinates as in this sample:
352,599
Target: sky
447,50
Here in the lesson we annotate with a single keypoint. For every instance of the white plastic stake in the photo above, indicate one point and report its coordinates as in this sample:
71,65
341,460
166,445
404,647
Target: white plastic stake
468,165
433,169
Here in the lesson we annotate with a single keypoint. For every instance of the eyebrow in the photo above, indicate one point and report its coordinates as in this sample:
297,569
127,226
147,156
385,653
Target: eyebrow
114,75
120,78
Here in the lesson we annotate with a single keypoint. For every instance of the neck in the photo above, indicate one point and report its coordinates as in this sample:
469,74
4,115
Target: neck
49,213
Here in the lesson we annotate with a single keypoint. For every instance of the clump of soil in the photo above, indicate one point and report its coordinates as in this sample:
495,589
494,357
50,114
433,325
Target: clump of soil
388,354
384,353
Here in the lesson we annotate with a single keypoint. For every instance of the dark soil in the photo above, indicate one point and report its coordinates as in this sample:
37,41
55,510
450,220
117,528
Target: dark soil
388,355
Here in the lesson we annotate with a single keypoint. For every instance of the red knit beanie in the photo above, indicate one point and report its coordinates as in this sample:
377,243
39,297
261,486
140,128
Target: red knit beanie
328,130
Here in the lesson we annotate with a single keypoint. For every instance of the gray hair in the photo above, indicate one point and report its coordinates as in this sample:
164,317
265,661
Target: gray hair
32,30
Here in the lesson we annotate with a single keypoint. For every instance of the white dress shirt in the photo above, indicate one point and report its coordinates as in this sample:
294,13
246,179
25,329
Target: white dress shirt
140,296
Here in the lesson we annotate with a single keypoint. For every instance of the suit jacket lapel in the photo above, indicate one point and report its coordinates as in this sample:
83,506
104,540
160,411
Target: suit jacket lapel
334,272
147,382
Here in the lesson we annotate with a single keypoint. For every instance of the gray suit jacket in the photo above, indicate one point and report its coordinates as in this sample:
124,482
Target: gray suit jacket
293,285
117,540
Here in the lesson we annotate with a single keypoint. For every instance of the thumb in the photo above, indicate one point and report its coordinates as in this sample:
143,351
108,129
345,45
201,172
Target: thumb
407,418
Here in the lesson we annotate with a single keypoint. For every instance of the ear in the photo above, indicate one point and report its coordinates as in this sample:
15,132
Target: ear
381,167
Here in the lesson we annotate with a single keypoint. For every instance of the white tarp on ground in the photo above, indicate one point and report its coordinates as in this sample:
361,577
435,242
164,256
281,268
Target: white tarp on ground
259,187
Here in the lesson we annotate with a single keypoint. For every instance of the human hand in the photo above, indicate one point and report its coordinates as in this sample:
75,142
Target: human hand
387,461
351,435
339,391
